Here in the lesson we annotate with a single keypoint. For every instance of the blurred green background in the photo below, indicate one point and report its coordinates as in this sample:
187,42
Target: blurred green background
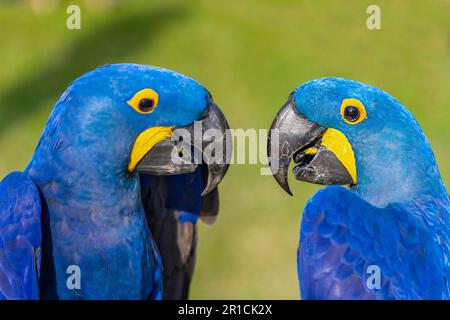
250,55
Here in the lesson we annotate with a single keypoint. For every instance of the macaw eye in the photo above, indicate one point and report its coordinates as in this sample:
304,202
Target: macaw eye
146,105
144,101
353,111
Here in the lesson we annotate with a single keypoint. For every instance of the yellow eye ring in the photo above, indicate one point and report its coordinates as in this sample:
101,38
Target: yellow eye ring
353,111
144,101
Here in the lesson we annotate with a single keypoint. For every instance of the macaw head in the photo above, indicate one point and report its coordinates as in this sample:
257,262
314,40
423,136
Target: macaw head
123,119
341,131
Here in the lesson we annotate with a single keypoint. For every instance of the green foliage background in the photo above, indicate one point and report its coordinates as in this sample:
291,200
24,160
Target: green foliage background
250,55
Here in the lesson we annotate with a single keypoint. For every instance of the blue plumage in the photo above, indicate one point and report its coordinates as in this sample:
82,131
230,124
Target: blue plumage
342,235
20,237
397,215
92,213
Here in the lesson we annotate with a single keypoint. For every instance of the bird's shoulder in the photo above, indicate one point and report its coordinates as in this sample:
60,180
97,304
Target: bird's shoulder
20,237
343,237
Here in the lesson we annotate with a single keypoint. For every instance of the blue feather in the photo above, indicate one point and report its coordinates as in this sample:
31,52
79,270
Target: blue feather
20,237
334,266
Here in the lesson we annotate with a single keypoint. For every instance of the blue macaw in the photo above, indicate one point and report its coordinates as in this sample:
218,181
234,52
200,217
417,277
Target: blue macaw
103,182
387,235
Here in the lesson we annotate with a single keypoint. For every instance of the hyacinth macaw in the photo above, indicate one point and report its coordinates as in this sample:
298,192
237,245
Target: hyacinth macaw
102,192
387,235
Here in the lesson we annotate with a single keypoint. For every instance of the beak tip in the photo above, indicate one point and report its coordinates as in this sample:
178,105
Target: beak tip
281,177
287,189
214,175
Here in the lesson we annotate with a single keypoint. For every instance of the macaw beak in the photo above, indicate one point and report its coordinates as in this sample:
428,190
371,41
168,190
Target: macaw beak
163,151
323,156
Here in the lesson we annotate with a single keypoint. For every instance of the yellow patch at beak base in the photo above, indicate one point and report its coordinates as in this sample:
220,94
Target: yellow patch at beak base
312,150
337,142
145,142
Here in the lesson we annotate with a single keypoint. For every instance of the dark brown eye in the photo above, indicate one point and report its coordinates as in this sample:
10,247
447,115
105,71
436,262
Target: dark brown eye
146,105
351,113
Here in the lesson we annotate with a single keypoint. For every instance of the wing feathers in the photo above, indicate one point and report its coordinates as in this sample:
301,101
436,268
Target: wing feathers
20,237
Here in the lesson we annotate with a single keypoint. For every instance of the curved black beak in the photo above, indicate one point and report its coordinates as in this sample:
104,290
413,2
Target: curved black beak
217,146
207,142
293,137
